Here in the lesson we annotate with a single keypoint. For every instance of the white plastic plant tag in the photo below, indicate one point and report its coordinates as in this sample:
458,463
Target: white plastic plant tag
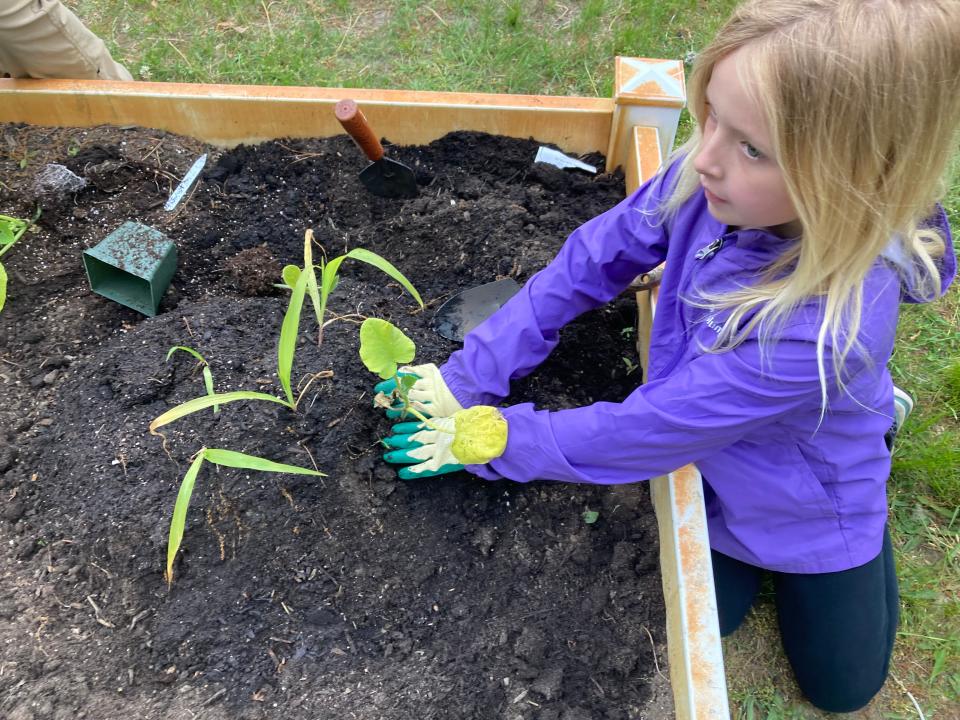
177,195
558,159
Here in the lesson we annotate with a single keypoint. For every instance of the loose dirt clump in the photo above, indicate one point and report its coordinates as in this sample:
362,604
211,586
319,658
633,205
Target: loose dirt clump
255,271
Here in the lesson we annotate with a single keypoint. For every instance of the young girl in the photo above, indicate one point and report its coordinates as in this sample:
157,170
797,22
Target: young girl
796,219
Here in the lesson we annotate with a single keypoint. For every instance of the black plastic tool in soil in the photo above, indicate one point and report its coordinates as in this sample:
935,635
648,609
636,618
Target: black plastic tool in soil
464,311
383,176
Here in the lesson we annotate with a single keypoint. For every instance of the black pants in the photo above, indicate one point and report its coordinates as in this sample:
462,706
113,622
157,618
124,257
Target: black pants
837,628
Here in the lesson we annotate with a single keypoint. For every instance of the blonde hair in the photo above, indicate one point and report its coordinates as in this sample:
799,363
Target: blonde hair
862,101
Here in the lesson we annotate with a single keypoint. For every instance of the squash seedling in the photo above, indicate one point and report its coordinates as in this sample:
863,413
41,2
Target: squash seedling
384,347
207,375
11,230
224,458
28,155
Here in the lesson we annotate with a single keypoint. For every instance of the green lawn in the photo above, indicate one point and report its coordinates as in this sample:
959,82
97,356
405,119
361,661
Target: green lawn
500,47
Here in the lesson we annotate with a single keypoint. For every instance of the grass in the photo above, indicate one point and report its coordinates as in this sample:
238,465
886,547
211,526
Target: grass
472,45
482,46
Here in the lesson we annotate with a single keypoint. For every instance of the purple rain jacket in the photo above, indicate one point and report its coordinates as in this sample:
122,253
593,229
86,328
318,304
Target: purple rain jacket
784,490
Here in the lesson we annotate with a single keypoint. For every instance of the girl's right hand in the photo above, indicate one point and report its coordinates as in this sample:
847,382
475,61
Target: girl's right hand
429,394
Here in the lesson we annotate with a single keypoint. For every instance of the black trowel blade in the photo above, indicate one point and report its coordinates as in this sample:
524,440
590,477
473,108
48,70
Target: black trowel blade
389,178
464,311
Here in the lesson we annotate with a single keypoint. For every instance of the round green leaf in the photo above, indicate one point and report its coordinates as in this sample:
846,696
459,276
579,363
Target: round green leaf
290,274
383,346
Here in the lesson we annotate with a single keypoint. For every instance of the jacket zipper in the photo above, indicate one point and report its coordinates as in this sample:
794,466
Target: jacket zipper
708,251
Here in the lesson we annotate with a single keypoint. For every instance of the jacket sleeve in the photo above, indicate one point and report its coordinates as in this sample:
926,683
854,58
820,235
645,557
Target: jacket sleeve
711,403
597,263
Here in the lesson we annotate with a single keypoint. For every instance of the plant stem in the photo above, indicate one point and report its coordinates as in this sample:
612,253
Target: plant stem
408,408
19,234
16,236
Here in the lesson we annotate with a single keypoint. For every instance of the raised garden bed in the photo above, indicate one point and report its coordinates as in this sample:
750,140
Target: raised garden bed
355,594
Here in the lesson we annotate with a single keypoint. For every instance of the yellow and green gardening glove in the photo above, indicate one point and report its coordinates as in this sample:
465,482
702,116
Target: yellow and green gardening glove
442,445
429,395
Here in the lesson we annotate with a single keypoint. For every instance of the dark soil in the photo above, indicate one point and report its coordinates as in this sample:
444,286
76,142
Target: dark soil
355,595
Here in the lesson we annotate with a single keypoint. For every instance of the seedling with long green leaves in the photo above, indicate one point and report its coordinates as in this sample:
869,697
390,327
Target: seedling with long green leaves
11,230
207,375
224,458
329,277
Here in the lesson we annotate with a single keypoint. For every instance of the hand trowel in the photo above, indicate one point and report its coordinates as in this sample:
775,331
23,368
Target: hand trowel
464,311
383,176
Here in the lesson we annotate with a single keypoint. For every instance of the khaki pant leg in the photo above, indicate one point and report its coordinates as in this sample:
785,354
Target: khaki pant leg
43,39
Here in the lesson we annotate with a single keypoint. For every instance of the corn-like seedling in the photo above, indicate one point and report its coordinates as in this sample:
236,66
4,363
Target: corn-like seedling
207,375
224,458
202,403
286,350
287,347
329,277
301,282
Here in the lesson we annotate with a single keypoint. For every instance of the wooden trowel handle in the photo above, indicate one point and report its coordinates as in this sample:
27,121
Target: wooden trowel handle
358,128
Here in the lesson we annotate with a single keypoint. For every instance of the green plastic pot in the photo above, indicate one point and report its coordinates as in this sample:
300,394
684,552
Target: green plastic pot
132,266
